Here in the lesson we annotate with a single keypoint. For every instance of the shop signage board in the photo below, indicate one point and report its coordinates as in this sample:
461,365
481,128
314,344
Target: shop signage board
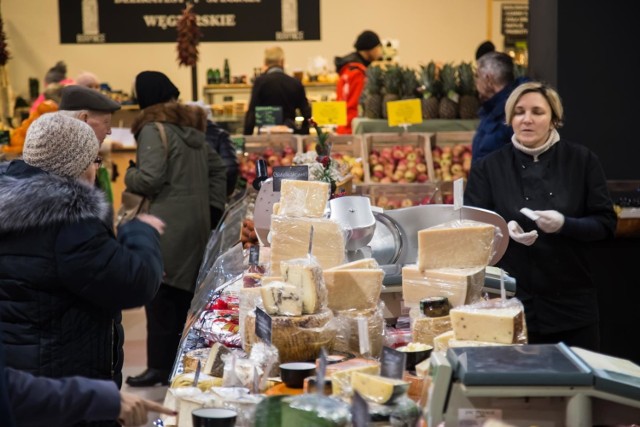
329,112
405,112
154,21
268,115
515,19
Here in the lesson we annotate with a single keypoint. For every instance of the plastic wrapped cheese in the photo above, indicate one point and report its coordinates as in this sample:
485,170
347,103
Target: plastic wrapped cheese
353,289
290,240
425,329
303,198
495,320
306,275
460,285
349,338
457,244
315,410
297,338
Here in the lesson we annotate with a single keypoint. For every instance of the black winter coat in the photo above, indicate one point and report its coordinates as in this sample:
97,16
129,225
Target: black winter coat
275,88
64,277
553,278
220,141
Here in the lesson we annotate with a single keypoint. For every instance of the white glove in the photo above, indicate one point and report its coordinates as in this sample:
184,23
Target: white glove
517,233
550,221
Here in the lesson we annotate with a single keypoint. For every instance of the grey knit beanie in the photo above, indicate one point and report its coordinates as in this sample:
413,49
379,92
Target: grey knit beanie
60,144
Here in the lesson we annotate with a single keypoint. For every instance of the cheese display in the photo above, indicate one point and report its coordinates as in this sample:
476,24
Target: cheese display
303,198
425,329
495,321
361,263
455,244
290,240
348,337
306,276
281,299
204,381
460,286
297,338
422,368
215,365
353,289
248,298
378,389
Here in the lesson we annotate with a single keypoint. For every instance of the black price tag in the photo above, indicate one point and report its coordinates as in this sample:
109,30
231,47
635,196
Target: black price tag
300,173
263,325
359,411
392,363
5,138
321,370
268,115
254,255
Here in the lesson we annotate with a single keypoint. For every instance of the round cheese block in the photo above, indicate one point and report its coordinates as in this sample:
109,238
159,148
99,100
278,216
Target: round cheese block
297,338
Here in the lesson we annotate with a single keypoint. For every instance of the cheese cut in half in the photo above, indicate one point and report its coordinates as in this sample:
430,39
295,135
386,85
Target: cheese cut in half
366,263
215,365
459,244
378,389
290,240
353,289
281,299
303,198
341,380
425,329
497,325
306,276
460,285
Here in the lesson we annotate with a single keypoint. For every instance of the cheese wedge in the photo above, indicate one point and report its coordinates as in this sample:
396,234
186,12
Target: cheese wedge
281,299
460,285
306,276
459,244
378,389
425,329
353,289
441,342
215,365
341,380
303,198
497,325
361,263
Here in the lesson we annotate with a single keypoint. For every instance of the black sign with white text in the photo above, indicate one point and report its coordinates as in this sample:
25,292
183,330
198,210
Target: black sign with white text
154,21
515,19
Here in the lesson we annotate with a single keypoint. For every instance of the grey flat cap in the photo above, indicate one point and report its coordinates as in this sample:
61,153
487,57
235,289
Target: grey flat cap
75,97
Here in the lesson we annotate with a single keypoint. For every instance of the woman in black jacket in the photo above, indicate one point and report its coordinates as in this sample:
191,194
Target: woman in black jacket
64,277
564,184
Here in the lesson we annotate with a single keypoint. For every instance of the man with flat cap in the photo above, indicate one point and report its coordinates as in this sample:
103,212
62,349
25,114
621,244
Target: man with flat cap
352,70
90,106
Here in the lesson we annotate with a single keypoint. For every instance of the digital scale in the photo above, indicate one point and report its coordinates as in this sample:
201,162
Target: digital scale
548,385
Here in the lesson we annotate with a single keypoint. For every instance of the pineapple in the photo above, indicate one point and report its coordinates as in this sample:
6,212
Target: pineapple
449,102
392,86
409,83
432,91
469,102
373,93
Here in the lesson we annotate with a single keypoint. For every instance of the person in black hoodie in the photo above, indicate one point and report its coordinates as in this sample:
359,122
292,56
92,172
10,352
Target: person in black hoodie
64,277
352,70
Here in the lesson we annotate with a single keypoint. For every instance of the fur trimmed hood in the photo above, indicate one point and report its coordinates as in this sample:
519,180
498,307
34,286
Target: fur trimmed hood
174,113
45,199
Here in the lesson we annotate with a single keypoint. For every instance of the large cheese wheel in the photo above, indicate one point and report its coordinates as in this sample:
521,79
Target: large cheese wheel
297,338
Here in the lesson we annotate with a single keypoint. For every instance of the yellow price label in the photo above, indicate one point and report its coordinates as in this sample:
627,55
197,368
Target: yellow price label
404,112
329,112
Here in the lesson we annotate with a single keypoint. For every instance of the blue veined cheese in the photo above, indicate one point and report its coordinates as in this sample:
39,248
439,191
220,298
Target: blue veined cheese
306,276
281,299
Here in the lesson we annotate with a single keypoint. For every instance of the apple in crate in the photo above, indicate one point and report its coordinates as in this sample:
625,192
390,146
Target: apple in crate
406,203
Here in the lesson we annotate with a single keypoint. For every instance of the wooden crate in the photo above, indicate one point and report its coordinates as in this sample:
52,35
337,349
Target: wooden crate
402,195
258,143
380,141
452,138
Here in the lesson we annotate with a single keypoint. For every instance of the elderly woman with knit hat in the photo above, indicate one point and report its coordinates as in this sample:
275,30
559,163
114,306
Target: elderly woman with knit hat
186,181
64,277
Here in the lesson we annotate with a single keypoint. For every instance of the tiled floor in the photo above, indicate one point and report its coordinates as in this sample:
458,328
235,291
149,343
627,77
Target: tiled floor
135,355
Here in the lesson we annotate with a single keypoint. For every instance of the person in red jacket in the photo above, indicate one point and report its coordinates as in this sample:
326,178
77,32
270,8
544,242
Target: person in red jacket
352,70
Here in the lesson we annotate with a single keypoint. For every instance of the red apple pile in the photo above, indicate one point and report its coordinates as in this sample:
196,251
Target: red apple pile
401,164
271,156
451,162
403,200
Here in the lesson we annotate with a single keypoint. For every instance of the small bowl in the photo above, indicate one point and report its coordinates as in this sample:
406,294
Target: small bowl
294,373
213,417
416,356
